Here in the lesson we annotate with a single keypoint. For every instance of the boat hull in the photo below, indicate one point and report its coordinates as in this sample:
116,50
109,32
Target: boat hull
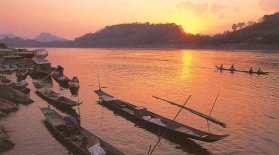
61,80
153,127
56,123
232,71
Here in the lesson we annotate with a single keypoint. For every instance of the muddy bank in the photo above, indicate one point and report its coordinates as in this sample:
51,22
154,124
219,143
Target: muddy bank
11,94
5,143
5,108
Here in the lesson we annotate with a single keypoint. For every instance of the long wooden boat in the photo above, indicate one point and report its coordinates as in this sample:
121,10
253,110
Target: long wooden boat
81,139
142,116
53,97
62,80
226,69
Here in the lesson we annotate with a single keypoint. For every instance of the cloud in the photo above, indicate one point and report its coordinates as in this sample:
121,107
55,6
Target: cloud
215,8
269,5
202,8
197,8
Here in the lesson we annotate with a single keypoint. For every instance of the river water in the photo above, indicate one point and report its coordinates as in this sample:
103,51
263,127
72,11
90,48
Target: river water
249,104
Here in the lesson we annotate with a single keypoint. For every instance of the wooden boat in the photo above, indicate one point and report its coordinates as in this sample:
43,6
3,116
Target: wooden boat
142,116
56,98
41,68
21,74
80,139
24,53
225,69
60,78
74,85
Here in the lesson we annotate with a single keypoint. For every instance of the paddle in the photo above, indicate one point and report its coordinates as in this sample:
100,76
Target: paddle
195,112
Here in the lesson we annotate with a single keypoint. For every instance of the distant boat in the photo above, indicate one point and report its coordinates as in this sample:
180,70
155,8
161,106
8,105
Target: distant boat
24,53
249,72
40,68
151,120
78,138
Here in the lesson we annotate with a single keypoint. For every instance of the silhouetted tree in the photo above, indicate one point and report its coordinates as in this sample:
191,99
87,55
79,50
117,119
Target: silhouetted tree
234,27
240,25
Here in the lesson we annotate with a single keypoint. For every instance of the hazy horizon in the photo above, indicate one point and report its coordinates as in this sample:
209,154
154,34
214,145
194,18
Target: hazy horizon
78,18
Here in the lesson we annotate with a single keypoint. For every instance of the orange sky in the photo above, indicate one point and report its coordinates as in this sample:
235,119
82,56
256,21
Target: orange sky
73,18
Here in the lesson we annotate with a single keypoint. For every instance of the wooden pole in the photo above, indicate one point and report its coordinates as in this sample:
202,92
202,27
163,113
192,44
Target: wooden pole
160,137
195,112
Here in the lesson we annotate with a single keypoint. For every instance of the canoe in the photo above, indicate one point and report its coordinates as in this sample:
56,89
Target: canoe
62,80
56,98
225,69
80,139
140,115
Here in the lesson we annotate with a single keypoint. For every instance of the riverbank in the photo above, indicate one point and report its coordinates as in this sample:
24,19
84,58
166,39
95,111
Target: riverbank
5,108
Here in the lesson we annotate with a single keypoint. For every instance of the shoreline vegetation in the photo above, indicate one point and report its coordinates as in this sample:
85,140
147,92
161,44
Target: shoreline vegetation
260,35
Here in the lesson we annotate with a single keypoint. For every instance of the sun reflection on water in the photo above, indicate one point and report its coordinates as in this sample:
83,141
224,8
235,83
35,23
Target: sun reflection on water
186,64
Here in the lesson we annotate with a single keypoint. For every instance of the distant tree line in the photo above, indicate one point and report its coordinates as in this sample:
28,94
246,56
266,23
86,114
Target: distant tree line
135,34
19,42
264,32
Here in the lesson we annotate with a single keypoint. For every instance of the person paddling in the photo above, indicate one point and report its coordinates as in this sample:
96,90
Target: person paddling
221,66
251,70
232,67
259,70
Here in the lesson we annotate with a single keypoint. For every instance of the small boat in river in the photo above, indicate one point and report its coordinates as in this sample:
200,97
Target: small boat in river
249,72
60,78
55,98
74,85
84,142
149,119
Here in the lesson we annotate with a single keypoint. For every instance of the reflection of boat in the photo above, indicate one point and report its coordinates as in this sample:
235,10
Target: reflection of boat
60,78
142,116
253,72
55,98
40,68
80,139
74,85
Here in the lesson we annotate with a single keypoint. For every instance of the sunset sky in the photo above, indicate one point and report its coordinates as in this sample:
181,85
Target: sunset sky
73,18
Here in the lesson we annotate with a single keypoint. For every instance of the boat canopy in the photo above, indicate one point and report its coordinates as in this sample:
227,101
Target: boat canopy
40,60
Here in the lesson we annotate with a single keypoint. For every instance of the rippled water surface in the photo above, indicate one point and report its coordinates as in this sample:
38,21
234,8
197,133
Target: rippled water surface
249,104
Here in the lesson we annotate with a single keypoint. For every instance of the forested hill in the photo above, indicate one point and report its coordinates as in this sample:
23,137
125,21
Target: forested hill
134,35
264,32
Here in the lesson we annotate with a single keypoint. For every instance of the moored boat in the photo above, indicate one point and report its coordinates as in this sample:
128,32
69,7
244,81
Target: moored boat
21,74
55,98
80,139
149,119
74,85
60,78
40,68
